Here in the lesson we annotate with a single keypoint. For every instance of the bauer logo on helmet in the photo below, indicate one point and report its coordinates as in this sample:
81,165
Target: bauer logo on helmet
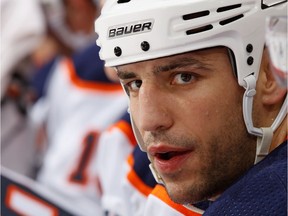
129,29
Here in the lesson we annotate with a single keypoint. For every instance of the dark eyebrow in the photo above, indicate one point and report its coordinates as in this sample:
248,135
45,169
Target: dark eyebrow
180,63
125,74
172,65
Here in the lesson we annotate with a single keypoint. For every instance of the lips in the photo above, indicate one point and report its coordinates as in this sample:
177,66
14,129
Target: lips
168,160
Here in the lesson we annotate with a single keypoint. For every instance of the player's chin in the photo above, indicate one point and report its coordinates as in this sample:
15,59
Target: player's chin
183,194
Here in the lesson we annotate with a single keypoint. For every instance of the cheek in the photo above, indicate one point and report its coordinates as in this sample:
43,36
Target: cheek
205,115
198,113
134,110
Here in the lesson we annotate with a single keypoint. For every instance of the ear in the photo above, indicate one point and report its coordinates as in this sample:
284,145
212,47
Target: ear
271,92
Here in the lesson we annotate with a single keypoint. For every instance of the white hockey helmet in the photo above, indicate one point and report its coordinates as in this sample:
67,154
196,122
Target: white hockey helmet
136,30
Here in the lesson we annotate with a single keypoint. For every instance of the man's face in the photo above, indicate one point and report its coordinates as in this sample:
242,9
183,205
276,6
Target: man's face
188,111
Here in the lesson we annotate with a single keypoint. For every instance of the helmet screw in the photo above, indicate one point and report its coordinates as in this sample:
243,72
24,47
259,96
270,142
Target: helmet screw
117,51
145,46
249,48
250,60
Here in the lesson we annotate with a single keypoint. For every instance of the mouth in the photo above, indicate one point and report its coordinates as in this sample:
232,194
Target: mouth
170,160
169,155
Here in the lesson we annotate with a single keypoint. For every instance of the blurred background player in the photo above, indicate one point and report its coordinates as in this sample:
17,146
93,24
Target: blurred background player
33,34
22,31
79,103
125,180
68,24
87,106
76,103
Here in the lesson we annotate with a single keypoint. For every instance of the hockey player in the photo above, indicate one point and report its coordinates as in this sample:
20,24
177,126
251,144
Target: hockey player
204,104
80,103
22,30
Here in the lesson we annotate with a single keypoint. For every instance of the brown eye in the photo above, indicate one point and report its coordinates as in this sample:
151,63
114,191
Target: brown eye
183,78
186,77
134,85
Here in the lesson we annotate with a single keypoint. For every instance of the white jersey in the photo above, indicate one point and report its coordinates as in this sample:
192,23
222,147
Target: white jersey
115,144
124,193
76,112
159,203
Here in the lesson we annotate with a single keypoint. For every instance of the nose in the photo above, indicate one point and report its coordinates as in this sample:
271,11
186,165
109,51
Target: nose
153,110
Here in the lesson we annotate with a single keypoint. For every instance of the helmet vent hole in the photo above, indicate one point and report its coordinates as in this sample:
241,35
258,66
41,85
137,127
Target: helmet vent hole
195,15
122,1
227,8
232,19
198,30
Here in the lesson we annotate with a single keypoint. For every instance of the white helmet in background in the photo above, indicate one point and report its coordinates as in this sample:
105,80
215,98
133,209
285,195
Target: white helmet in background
137,30
22,30
55,11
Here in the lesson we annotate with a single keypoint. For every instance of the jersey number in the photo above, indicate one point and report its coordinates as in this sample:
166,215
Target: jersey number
79,175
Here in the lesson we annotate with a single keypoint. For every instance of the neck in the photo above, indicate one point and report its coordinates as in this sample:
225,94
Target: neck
280,135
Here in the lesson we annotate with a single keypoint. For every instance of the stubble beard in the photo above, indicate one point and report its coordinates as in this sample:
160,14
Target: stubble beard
223,163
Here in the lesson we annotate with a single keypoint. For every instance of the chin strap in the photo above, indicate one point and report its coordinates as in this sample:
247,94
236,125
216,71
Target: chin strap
155,174
194,209
265,134
247,105
263,144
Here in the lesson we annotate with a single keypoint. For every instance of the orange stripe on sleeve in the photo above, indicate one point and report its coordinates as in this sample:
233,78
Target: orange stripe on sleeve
160,192
138,183
126,128
92,85
135,180
130,160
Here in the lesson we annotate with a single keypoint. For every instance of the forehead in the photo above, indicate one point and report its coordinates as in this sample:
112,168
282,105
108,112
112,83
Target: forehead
201,58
